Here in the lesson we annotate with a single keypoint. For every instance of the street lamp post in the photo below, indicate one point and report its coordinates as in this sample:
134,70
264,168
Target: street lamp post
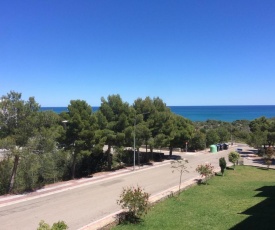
135,143
65,123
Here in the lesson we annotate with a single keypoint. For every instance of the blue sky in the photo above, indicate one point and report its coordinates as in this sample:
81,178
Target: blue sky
193,52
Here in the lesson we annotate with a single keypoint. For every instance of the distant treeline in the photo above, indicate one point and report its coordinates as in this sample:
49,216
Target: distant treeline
44,147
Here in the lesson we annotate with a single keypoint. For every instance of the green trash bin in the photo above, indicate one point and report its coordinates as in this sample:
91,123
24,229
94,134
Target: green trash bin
213,148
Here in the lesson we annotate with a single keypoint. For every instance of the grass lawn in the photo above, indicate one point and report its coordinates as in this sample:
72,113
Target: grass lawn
243,199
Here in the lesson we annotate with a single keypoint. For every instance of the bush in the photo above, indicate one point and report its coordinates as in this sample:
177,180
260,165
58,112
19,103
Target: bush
206,171
136,201
233,157
60,225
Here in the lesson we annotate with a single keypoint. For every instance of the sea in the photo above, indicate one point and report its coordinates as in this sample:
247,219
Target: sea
203,113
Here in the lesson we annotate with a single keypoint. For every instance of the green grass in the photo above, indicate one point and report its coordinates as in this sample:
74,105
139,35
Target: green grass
243,199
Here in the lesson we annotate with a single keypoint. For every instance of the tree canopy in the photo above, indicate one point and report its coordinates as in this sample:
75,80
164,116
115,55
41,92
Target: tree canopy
44,147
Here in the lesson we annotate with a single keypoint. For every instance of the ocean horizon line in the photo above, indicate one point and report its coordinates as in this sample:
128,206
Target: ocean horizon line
228,113
166,105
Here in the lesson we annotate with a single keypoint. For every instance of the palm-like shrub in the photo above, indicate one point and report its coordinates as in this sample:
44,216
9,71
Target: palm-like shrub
222,164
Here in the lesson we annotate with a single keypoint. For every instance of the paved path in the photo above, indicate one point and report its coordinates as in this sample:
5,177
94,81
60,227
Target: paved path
91,202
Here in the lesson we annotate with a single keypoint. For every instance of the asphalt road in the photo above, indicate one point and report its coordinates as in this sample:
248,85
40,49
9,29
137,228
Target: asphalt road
79,206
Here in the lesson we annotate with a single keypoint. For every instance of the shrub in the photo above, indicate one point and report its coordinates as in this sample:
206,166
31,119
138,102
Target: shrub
43,226
206,171
233,157
136,201
222,164
60,225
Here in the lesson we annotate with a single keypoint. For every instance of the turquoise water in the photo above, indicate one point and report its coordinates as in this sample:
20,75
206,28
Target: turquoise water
224,113
203,113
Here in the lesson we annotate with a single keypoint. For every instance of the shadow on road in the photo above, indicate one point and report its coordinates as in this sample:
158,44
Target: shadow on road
173,157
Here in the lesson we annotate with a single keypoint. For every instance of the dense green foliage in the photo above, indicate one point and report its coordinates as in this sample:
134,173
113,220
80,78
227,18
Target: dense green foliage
27,134
242,200
44,147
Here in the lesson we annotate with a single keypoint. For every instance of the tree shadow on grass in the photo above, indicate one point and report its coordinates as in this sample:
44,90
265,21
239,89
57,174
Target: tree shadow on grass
262,215
127,218
230,168
199,181
202,181
265,168
218,174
